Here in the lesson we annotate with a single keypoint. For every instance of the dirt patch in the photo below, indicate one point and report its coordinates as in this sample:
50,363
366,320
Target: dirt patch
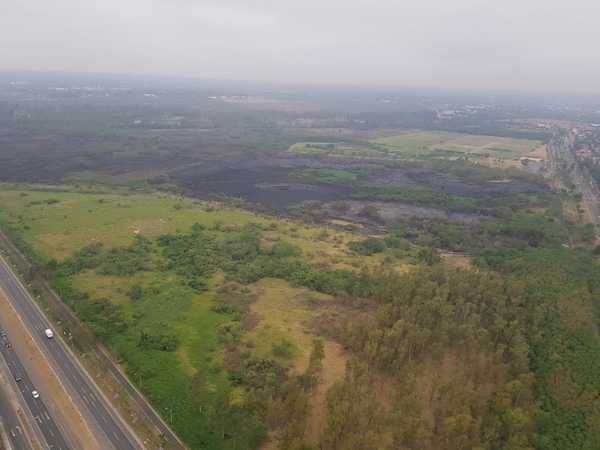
281,312
291,313
540,152
334,368
458,261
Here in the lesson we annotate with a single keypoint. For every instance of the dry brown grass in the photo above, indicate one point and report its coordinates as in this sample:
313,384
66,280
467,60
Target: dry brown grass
334,368
287,312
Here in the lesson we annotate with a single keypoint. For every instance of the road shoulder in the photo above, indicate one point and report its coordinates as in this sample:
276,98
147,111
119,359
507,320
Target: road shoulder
73,425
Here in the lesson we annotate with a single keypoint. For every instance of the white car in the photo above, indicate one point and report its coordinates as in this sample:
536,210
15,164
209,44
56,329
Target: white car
49,333
35,394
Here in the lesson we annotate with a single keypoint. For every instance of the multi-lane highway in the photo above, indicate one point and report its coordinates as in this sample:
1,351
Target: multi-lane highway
73,376
562,154
11,426
52,434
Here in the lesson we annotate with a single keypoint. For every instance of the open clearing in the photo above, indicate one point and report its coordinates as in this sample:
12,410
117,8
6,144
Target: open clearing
430,144
284,313
442,144
56,224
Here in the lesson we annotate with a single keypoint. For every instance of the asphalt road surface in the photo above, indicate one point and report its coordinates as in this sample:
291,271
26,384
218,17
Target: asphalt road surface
39,412
12,425
72,374
583,182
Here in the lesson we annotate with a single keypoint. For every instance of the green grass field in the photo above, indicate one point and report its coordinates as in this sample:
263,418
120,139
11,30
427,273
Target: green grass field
55,223
58,223
422,144
429,144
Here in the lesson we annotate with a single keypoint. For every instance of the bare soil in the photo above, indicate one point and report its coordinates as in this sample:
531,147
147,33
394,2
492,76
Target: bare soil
334,368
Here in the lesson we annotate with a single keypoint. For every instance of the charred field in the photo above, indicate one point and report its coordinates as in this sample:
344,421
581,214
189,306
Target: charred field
184,142
342,188
351,258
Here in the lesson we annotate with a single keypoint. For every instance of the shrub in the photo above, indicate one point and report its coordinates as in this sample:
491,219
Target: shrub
283,349
368,246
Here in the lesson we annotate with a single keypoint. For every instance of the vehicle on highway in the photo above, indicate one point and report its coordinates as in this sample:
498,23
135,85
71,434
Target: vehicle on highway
35,394
18,378
49,333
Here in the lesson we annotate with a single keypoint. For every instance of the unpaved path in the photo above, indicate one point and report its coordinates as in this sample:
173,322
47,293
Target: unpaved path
334,368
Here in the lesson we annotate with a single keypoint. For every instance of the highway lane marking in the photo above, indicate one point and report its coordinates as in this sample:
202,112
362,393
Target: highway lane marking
34,314
34,406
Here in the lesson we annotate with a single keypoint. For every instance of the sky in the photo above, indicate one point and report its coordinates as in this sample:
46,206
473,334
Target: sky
524,45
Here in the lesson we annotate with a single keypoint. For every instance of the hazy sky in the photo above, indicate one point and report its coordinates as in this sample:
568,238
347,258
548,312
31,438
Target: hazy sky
547,45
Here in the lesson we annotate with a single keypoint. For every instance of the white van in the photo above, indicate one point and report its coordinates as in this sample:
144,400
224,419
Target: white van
49,333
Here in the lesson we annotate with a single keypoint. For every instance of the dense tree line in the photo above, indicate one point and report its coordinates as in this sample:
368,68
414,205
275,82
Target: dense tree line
520,230
503,357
